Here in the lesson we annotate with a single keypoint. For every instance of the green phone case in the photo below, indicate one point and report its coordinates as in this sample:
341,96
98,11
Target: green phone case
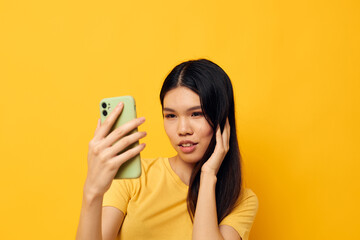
131,168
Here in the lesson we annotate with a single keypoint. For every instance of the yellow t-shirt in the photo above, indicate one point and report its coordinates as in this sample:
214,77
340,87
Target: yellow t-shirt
155,205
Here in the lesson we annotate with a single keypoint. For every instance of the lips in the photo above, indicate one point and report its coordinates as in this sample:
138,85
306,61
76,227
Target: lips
187,146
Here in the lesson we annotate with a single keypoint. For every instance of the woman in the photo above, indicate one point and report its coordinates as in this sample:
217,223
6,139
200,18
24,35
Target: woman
197,193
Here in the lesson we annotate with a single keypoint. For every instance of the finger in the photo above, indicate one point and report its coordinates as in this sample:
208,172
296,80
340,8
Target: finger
216,158
228,128
125,156
226,131
226,135
219,141
109,121
123,144
121,132
97,126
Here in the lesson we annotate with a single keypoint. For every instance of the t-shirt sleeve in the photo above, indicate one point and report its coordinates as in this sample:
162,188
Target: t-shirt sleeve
243,215
119,194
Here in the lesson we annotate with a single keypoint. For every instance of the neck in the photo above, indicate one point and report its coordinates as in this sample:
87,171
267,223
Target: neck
182,169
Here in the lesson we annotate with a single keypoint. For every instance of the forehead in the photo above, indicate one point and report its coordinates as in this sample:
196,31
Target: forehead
181,97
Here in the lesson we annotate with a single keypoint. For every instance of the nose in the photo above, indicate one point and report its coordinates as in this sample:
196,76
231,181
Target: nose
184,127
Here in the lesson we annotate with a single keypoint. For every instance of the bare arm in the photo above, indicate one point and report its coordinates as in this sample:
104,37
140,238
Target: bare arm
96,222
112,219
205,222
104,222
206,225
90,218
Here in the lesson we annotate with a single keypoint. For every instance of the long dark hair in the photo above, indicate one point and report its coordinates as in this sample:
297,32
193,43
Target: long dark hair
215,91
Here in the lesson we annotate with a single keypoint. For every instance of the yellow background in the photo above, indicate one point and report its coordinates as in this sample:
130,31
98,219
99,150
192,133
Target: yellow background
295,69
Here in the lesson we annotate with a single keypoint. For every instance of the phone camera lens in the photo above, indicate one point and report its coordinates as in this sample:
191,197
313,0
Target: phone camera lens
104,112
103,105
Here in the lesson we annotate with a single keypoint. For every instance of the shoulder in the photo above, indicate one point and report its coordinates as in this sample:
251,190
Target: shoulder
132,185
243,215
151,163
248,197
246,205
122,190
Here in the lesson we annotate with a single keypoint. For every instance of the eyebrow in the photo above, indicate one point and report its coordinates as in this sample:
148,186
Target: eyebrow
190,109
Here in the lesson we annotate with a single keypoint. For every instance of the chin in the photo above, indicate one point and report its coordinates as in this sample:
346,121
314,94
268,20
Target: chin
190,159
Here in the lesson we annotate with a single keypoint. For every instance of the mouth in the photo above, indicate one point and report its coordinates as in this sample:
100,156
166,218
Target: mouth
187,146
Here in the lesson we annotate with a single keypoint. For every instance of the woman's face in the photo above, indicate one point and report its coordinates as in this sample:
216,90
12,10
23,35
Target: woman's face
189,132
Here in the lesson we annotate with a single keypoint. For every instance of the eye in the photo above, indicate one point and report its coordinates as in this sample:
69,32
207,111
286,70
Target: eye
197,114
169,115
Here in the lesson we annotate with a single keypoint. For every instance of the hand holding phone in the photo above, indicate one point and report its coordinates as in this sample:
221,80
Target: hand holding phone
132,167
110,148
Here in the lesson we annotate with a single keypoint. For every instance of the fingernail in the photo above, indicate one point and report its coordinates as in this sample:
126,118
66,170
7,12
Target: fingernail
119,105
142,119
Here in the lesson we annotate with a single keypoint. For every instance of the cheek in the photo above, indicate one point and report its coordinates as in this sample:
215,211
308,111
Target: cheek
209,132
205,131
169,131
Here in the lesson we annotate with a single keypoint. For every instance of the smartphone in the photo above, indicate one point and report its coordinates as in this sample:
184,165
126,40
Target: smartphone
132,167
